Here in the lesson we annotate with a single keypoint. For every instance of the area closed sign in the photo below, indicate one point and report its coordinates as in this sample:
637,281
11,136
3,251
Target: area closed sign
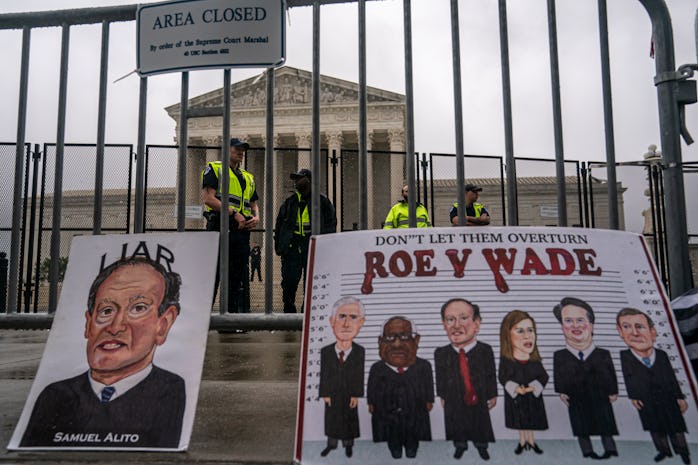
203,34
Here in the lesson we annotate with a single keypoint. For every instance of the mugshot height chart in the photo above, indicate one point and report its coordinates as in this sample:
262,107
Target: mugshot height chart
155,413
413,272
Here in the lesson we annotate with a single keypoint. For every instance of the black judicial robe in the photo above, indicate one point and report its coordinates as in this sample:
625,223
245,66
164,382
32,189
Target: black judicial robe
588,384
400,401
658,390
341,382
67,413
464,422
523,411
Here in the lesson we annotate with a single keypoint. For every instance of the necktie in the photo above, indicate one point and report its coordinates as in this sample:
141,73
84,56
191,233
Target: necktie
647,362
400,370
581,355
341,357
106,394
470,396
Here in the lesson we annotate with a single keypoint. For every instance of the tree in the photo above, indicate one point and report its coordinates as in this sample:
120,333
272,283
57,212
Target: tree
46,266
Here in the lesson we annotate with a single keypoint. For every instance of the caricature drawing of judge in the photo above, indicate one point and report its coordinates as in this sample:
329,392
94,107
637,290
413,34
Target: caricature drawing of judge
342,375
123,400
651,384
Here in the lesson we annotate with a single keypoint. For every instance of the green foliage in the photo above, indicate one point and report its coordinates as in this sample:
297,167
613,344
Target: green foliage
46,266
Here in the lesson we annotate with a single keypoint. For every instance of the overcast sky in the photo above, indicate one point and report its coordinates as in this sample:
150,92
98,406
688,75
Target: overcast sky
634,95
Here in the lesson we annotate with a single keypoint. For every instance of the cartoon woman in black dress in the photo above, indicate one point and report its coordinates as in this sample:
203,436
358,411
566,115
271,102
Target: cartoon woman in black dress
523,377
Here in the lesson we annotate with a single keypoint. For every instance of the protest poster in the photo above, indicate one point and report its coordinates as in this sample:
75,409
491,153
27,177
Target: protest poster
382,378
122,364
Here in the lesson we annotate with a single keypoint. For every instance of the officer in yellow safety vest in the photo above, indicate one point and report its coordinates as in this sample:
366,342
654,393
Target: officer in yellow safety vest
475,213
292,232
399,217
243,216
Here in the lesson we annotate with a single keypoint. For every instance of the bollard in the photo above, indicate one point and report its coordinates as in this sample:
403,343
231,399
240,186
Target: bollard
3,282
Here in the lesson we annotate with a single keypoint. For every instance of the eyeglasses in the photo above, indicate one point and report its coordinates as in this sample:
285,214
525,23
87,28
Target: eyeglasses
403,337
451,320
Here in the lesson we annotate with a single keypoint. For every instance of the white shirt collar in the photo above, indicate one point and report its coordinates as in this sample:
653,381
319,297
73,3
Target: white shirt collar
121,386
652,357
587,352
346,352
467,347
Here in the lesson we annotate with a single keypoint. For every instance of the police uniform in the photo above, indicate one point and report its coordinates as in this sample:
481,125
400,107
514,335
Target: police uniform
398,216
291,239
476,210
242,193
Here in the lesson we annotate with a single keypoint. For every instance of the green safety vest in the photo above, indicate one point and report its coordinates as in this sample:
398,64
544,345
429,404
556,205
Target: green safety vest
399,217
477,206
303,227
236,197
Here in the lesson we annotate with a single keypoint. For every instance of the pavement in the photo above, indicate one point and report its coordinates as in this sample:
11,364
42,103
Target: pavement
245,415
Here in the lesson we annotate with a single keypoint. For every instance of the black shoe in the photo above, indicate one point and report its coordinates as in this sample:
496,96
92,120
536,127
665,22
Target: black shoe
661,456
592,455
520,448
327,450
410,453
348,450
396,453
608,454
534,447
484,455
685,457
459,452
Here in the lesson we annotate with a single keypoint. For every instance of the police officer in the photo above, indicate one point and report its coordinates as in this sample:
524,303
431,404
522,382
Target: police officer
243,215
292,234
398,216
475,213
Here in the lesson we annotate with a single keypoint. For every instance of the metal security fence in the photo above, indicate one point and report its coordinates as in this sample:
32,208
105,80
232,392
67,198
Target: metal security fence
485,170
674,88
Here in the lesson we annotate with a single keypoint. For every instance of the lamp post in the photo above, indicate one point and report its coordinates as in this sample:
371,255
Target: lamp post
653,161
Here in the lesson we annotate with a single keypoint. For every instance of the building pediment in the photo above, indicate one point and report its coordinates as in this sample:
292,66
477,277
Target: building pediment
292,87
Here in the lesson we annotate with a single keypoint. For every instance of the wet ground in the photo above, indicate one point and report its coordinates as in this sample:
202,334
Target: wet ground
246,411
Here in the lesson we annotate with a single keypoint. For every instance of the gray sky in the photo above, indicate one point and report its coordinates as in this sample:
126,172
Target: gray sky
634,95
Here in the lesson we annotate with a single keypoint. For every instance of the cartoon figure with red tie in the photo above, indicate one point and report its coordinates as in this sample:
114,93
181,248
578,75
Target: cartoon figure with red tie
466,380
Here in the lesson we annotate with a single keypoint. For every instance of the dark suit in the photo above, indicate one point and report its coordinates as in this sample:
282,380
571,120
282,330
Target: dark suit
658,389
464,422
67,413
588,384
400,414
340,382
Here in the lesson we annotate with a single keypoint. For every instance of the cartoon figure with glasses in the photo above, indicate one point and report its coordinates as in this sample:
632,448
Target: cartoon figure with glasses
400,390
342,375
523,377
466,380
123,400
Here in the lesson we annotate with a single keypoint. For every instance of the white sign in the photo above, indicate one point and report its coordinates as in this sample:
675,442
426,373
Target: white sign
548,211
199,34
386,312
122,364
193,212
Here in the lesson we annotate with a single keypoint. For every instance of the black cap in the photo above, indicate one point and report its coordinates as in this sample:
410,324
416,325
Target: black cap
235,142
472,188
302,173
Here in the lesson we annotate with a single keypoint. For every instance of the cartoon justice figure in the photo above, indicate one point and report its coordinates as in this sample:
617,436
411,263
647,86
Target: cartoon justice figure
651,384
465,379
522,374
131,307
400,390
585,378
342,375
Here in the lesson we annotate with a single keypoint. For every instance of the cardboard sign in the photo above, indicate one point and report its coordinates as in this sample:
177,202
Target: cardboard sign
123,361
570,352
200,34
